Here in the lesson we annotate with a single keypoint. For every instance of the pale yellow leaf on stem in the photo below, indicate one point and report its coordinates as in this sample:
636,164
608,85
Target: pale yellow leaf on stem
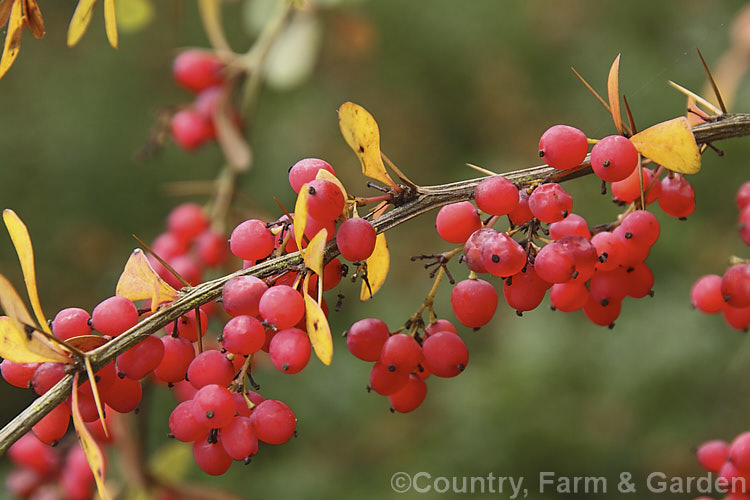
18,347
110,22
377,268
670,144
22,242
80,21
361,133
318,330
613,92
300,215
314,252
139,281
91,449
12,37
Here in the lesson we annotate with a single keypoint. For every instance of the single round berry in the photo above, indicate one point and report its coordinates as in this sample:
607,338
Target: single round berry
677,196
563,147
282,306
325,201
274,422
290,350
456,222
521,213
386,382
114,316
306,170
141,359
71,322
178,354
123,395
445,354
197,69
568,297
474,302
210,367
186,221
550,202
241,295
409,397
53,426
706,294
183,426
743,196
614,158
355,239
190,130
211,457
366,337
735,285
212,248
572,224
401,352
502,255
496,195
713,454
239,439
18,374
524,291
213,406
243,335
473,248
629,189
251,240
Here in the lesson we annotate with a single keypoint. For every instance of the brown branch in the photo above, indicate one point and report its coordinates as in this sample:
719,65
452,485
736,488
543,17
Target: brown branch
427,198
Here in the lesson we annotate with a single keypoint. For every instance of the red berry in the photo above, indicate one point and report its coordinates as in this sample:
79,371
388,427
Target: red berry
501,255
213,406
743,196
251,240
386,382
550,202
239,439
190,130
325,200
445,354
71,322
524,291
114,316
18,374
474,302
521,213
197,69
282,306
142,358
456,222
366,337
572,224
355,239
306,170
241,295
706,294
183,425
187,221
210,367
677,196
409,397
53,426
274,422
401,352
735,286
629,189
178,353
496,195
243,335
563,147
211,457
290,350
614,158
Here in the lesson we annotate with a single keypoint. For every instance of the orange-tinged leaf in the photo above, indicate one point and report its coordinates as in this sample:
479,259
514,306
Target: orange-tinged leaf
33,18
300,215
377,268
18,347
80,21
91,449
5,6
325,175
139,281
613,92
22,241
313,254
13,37
110,22
671,144
318,330
86,343
361,133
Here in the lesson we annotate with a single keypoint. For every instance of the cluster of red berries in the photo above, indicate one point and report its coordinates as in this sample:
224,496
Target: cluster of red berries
731,462
45,473
188,245
202,73
557,251
403,362
729,294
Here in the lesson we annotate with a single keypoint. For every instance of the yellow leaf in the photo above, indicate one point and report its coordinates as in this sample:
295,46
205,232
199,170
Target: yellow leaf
325,175
33,18
318,330
90,447
300,215
377,268
5,6
671,144
314,252
613,92
134,15
18,347
80,21
139,281
13,37
360,130
110,22
95,391
21,240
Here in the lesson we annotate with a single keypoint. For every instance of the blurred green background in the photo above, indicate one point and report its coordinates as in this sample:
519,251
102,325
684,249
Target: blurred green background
449,82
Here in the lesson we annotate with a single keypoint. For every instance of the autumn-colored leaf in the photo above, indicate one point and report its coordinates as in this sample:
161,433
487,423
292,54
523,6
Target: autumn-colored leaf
18,347
91,449
86,343
360,130
314,252
318,329
5,6
95,392
33,18
80,21
670,144
22,241
325,175
139,281
377,268
300,215
13,37
613,92
110,22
